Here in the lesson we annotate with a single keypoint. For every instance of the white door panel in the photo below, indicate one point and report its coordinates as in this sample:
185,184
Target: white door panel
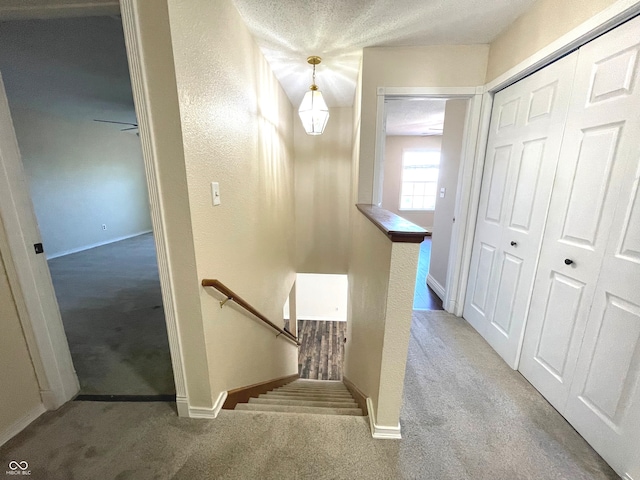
582,343
522,153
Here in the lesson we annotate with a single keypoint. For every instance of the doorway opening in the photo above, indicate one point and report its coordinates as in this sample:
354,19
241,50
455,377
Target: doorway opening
321,311
68,86
423,145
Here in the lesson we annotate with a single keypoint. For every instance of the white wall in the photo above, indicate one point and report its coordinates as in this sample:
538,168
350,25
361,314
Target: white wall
60,74
237,129
452,139
392,182
323,182
432,66
82,175
320,297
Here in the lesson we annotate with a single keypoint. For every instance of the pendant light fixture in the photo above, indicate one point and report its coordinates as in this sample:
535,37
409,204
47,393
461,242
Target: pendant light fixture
313,110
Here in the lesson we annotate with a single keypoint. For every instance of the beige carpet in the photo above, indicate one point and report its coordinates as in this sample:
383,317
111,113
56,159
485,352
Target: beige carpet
111,307
466,416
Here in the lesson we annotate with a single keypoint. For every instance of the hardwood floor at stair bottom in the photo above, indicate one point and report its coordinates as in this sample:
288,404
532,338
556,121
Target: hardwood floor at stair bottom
322,350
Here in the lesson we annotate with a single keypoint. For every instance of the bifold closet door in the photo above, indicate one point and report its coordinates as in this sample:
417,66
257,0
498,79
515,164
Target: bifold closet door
582,342
522,152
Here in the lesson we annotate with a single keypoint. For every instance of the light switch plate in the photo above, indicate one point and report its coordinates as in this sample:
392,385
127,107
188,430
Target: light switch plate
215,193
443,190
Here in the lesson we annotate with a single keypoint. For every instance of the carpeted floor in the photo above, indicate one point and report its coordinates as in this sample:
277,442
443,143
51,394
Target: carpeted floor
111,307
466,415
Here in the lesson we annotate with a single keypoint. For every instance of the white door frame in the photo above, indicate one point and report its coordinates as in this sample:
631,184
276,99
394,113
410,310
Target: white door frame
41,321
48,345
468,176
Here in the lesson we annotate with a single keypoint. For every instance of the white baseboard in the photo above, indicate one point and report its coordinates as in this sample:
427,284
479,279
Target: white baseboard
49,400
182,403
382,432
20,424
94,245
435,286
199,412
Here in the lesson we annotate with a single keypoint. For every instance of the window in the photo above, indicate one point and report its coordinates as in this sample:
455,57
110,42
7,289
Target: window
419,179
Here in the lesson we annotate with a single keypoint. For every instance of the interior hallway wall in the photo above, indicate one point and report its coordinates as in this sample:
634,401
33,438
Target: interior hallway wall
392,181
82,175
543,23
452,139
19,395
237,129
431,66
156,55
323,183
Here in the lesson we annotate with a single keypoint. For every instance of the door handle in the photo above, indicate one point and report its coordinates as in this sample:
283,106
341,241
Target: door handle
514,244
568,261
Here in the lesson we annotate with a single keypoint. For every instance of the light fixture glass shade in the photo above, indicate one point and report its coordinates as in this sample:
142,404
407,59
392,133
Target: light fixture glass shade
313,112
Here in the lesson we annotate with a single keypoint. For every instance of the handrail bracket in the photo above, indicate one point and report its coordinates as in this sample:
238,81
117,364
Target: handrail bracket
222,302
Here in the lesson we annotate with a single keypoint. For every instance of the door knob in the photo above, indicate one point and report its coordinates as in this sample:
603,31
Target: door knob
513,244
568,261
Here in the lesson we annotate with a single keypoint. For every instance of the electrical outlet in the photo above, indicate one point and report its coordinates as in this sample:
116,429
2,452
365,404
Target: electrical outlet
104,227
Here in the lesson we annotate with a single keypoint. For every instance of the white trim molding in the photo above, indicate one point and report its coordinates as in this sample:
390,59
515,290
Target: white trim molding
382,432
208,412
135,55
470,173
436,286
21,423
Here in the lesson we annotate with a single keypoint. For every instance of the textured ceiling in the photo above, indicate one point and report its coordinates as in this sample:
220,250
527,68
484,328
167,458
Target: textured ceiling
415,116
288,31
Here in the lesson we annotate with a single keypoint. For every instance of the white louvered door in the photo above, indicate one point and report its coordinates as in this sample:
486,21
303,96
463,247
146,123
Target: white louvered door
522,153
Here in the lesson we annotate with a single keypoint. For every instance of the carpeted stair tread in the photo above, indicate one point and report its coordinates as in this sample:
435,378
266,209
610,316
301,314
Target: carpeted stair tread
305,397
313,392
298,409
302,396
303,403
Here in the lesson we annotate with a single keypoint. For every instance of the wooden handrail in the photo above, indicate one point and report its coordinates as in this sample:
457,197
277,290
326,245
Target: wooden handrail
231,295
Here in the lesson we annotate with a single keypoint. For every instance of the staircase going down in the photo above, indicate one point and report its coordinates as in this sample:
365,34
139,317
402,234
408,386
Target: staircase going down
305,396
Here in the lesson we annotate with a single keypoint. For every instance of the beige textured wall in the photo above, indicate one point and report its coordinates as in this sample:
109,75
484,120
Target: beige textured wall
322,194
398,315
392,182
544,22
452,139
237,128
82,175
432,66
157,59
19,394
381,285
370,261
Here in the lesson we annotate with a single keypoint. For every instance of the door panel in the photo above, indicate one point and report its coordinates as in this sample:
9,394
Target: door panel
522,153
590,183
582,350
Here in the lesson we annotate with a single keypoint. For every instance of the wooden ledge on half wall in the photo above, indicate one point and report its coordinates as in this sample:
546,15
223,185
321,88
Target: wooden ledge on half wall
395,227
